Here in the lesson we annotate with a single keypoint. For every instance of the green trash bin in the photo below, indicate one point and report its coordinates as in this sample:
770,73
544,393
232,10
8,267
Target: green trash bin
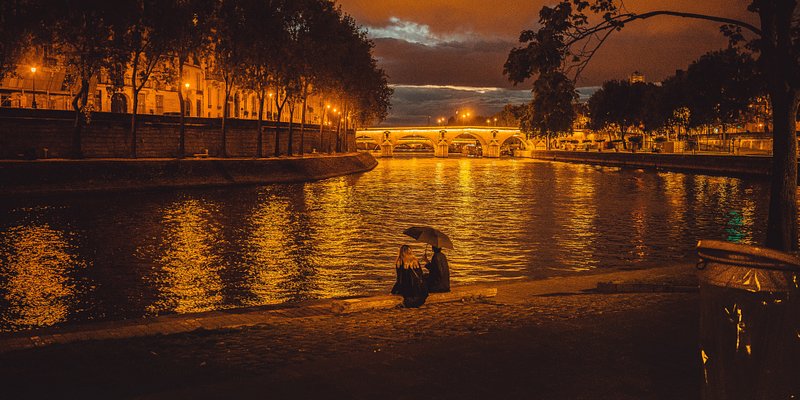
749,322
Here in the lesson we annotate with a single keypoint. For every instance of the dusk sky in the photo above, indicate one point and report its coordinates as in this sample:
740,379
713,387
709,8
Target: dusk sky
444,55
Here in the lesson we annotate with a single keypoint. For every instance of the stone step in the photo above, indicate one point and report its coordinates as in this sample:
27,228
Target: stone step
389,301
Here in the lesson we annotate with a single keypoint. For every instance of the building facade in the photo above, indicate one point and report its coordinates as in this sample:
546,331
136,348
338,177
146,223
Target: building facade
46,86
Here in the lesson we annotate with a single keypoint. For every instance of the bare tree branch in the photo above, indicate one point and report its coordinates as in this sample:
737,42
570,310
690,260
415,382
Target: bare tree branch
622,19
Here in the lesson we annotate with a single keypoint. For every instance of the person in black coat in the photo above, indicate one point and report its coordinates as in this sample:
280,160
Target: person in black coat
438,279
410,282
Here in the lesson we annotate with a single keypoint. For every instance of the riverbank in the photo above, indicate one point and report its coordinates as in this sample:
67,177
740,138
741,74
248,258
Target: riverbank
57,176
704,163
557,338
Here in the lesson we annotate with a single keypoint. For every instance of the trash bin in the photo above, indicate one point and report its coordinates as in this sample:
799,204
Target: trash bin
749,322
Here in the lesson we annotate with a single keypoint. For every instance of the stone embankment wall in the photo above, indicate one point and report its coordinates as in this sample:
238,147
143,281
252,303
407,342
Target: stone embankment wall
78,176
27,133
701,163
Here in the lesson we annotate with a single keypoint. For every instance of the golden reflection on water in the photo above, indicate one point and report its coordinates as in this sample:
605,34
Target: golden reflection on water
577,204
188,277
336,221
36,264
675,191
265,251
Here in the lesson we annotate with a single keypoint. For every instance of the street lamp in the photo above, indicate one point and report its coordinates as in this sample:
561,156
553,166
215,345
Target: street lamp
33,78
186,111
270,105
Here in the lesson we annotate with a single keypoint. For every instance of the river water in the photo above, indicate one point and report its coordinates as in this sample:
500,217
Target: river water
67,259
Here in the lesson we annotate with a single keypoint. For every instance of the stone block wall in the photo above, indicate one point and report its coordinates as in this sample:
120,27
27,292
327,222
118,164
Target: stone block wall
48,134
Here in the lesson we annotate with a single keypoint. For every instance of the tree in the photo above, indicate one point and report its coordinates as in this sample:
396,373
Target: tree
721,86
230,53
551,108
511,114
620,105
83,35
144,39
188,34
17,28
266,35
569,36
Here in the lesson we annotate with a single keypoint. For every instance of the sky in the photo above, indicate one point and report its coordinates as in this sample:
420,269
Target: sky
448,55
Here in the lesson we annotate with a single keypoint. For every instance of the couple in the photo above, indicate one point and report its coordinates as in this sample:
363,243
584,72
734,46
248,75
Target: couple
412,283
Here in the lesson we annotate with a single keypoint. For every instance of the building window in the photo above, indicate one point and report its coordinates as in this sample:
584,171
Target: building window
159,104
98,100
119,103
142,106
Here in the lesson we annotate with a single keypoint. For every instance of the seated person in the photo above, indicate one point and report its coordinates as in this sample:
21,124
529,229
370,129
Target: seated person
439,277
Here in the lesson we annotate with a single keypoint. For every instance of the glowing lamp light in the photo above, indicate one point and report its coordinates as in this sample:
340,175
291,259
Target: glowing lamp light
33,69
186,85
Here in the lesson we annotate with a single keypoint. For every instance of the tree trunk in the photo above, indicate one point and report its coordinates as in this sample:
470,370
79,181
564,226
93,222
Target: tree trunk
279,108
260,137
228,88
134,87
78,104
182,128
622,136
346,127
133,122
303,122
290,142
782,221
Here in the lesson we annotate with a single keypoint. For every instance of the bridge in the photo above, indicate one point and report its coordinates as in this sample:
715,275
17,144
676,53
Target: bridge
442,138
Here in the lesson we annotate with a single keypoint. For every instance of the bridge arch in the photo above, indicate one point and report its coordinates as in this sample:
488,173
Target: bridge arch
489,138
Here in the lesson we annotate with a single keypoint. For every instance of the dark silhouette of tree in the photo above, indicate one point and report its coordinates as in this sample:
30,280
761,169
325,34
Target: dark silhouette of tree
266,36
721,85
511,114
570,34
19,25
229,52
83,36
144,39
188,35
552,110
621,105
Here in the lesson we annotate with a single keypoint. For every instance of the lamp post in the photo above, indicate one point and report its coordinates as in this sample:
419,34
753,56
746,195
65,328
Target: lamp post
186,110
33,78
270,105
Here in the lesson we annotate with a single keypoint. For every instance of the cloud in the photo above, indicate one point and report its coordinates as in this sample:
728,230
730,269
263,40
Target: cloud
412,32
476,63
416,105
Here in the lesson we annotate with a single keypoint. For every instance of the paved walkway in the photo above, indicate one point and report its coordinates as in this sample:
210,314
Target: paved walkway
554,338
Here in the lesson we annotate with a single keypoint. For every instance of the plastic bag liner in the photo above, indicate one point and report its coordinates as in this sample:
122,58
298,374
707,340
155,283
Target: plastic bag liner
749,322
750,268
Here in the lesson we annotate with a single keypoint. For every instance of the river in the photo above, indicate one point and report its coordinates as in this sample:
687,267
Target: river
73,258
